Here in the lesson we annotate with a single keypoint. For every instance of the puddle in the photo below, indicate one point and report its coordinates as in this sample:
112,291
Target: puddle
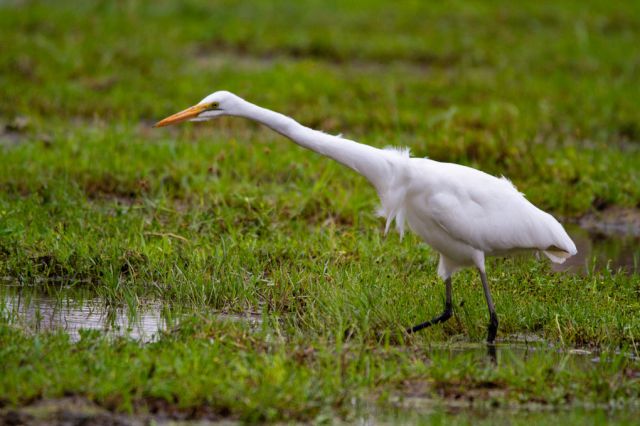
39,313
603,244
611,240
434,414
512,348
613,221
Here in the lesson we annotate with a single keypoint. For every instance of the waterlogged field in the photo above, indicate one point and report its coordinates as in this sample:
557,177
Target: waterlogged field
219,272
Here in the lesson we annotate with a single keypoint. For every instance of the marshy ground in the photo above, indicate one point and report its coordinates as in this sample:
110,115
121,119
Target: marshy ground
212,271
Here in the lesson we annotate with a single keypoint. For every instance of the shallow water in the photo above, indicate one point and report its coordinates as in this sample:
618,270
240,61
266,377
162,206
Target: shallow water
36,313
39,313
611,244
432,414
602,247
522,348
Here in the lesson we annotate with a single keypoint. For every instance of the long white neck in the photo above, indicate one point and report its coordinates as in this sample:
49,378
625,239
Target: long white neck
373,163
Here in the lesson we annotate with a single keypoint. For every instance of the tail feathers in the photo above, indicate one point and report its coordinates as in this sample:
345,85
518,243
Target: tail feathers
558,255
559,245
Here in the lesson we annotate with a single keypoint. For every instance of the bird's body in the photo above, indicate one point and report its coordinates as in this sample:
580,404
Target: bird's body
466,214
463,213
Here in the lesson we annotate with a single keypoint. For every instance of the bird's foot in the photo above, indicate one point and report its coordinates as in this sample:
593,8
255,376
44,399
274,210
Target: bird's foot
437,320
491,353
492,330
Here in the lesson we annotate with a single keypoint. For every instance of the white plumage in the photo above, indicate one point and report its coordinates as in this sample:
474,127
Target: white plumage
461,212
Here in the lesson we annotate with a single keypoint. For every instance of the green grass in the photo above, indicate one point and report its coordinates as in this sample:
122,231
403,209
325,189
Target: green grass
228,216
222,369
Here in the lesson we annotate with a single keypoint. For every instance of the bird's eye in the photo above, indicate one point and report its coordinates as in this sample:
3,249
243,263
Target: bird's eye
213,105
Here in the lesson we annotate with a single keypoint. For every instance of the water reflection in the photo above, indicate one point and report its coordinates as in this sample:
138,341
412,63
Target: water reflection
517,347
602,248
428,411
38,312
610,242
45,313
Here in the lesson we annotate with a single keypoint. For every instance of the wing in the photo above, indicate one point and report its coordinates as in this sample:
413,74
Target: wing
489,214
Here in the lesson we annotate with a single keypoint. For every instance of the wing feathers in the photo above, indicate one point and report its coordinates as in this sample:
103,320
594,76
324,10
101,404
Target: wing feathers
490,214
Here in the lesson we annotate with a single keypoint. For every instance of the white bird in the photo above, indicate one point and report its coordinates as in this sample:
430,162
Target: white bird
463,213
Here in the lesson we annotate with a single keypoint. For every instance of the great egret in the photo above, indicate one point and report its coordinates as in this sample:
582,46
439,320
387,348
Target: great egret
461,212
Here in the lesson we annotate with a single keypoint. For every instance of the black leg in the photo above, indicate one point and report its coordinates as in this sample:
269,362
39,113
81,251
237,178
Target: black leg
448,310
491,353
492,330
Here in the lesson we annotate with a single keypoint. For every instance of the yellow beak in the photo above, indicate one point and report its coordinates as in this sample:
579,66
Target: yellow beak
178,117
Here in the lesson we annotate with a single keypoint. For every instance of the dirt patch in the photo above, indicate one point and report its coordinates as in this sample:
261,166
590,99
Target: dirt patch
66,411
14,132
453,396
111,187
75,410
465,392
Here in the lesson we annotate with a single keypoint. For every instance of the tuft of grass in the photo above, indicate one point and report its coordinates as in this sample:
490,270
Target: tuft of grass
224,369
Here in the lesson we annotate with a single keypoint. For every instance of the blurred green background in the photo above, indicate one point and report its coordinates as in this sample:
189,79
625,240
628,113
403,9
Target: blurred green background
543,92
95,204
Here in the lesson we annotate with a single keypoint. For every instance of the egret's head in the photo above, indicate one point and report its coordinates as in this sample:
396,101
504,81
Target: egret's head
214,105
